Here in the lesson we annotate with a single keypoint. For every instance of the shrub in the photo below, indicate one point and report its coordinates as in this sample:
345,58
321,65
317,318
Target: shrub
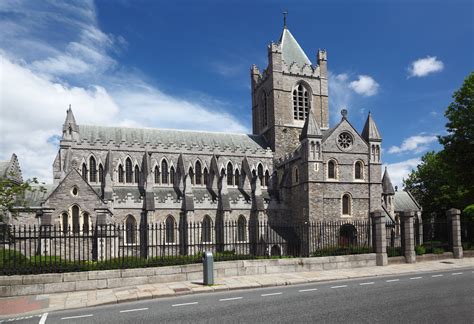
438,250
394,251
420,250
341,250
9,258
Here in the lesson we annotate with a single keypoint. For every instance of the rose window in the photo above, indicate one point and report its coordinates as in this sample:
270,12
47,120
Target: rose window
344,141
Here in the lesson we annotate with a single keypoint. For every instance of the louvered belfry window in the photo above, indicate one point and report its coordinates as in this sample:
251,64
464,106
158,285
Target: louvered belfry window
300,102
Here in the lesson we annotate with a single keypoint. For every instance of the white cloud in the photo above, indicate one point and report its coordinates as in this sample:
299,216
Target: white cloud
365,86
424,66
343,95
416,144
40,77
400,170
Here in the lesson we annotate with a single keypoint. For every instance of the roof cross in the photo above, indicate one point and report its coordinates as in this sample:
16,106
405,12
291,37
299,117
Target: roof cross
285,13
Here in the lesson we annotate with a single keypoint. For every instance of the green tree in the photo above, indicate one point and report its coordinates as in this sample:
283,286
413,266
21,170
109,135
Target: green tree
445,179
458,151
14,194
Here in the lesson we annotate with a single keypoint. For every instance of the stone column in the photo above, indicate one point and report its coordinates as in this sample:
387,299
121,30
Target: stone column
46,231
380,239
106,243
408,236
454,221
420,227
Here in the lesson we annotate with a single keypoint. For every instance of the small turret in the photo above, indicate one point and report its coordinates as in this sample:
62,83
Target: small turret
149,180
108,177
371,132
372,136
310,138
311,128
70,128
387,193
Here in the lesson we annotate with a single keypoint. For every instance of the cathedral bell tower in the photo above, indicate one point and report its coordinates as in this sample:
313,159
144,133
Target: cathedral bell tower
285,92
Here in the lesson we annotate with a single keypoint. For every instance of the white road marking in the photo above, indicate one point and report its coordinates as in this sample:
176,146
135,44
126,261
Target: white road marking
233,298
456,273
305,290
414,278
366,283
272,294
438,275
73,317
133,310
392,280
43,318
184,304
342,286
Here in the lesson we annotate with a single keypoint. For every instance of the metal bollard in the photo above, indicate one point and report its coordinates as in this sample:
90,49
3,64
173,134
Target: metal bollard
208,268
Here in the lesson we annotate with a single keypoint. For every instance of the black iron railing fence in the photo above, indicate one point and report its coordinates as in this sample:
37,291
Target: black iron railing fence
436,236
467,234
394,239
43,249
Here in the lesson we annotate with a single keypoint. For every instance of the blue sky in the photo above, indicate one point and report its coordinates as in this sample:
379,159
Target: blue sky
185,64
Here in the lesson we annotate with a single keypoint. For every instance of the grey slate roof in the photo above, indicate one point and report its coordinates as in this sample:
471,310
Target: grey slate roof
405,201
33,199
291,50
170,137
370,131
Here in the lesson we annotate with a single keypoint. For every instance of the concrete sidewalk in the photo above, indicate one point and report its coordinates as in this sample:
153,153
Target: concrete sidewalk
16,306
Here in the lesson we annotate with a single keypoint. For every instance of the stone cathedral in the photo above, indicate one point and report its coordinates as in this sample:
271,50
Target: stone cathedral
293,168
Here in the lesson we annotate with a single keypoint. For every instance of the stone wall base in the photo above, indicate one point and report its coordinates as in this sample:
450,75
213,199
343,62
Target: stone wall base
92,280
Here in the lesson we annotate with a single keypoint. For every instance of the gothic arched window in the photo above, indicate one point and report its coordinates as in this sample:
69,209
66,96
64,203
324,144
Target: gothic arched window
346,204
64,218
128,170
300,102
230,174
198,174
137,174
260,173
242,229
332,170
267,178
120,174
358,170
84,171
206,233
206,175
237,178
92,170
130,230
172,174
85,224
164,172
170,230
75,219
101,173
157,174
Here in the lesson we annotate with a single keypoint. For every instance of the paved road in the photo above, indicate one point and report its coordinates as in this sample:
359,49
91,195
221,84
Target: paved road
435,297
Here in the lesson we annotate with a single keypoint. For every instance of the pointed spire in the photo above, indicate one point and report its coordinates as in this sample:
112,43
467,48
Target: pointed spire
291,51
387,187
108,191
67,162
70,128
370,132
311,127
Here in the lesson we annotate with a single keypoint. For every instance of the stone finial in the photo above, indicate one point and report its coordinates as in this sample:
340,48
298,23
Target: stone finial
344,113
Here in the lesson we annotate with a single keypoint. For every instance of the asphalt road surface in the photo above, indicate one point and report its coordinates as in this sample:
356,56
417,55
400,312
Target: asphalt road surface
434,297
